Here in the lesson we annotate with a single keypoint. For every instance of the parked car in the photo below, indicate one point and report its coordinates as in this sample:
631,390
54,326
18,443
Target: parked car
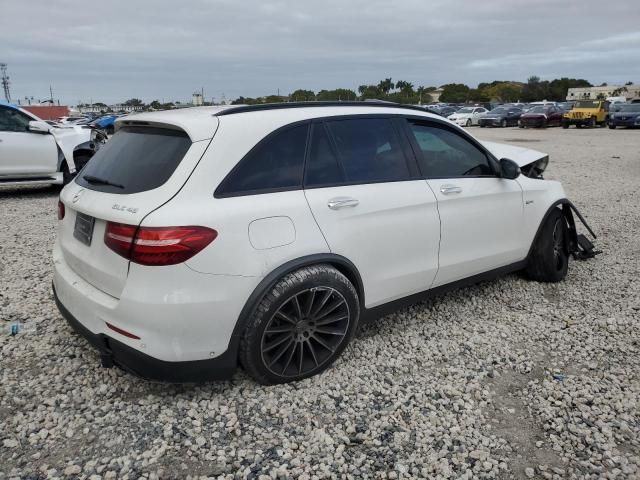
467,116
541,116
627,115
262,235
446,111
500,117
33,151
105,123
587,113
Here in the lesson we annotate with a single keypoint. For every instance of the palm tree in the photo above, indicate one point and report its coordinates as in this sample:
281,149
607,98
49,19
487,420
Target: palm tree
386,86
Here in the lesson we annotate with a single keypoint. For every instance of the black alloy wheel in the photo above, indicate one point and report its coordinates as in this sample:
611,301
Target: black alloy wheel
305,332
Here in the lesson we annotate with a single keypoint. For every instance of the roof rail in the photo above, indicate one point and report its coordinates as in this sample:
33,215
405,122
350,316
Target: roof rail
284,105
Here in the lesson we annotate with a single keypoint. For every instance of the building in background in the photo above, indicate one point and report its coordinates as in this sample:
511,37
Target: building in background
630,92
198,99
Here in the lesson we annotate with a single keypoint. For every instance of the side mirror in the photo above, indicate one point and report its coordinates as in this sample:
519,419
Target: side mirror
509,169
38,126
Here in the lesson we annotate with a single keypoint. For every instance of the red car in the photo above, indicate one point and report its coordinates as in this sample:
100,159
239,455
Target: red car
542,116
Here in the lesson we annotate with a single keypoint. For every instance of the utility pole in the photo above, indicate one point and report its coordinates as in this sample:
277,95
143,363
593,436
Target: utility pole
51,94
5,82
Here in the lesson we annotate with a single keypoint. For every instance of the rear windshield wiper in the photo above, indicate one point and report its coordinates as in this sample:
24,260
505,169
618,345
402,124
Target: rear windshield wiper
101,181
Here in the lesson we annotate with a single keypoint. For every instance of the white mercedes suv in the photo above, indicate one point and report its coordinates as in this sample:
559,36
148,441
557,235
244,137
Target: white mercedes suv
200,239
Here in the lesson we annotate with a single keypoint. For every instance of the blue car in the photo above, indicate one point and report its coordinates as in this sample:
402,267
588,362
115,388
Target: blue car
105,123
626,115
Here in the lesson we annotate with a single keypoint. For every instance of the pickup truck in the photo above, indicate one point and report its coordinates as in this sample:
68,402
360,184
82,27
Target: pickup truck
33,151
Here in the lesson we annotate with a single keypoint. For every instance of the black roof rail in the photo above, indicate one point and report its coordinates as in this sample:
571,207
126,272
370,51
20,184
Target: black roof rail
284,105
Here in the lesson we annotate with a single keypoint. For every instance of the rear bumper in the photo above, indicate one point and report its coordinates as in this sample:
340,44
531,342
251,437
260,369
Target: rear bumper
145,366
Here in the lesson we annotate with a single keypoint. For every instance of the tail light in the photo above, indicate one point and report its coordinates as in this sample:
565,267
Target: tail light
155,246
60,210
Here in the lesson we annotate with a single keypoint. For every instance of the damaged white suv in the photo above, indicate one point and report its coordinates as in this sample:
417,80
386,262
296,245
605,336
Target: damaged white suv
200,239
35,152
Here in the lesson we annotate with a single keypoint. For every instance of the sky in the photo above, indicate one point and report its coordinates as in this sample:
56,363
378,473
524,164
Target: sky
161,49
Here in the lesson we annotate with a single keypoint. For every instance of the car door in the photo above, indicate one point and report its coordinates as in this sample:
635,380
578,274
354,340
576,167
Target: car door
364,189
481,213
23,152
477,112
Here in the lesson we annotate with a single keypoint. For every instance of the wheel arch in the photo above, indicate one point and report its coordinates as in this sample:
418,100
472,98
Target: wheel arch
565,206
340,263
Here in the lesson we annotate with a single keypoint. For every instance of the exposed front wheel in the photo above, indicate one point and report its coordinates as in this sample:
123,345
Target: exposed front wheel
301,326
549,259
468,124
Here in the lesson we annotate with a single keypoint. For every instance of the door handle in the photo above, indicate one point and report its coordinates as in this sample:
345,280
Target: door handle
449,189
342,202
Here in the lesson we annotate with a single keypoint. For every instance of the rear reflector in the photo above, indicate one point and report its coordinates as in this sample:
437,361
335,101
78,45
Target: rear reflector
60,210
156,246
122,332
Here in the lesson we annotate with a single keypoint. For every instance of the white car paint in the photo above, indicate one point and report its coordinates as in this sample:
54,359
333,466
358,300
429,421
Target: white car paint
403,237
467,116
32,157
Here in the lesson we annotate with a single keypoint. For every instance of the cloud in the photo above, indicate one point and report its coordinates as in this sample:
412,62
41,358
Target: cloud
163,49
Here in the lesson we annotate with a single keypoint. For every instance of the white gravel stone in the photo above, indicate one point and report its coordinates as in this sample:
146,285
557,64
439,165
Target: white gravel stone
479,383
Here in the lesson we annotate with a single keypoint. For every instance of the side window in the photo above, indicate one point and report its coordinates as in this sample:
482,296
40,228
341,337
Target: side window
447,154
275,163
369,150
323,167
13,121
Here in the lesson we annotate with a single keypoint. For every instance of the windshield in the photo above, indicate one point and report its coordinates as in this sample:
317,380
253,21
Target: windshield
499,110
632,107
465,110
586,104
538,109
135,160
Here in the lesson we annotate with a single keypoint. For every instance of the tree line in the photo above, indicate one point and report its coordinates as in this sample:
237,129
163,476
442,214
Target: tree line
402,91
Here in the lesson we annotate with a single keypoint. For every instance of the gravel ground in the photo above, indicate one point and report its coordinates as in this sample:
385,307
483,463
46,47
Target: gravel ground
506,379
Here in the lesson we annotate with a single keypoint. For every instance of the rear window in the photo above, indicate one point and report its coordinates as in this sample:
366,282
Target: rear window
135,160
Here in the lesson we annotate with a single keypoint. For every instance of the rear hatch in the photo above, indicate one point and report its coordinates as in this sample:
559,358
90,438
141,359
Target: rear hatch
139,169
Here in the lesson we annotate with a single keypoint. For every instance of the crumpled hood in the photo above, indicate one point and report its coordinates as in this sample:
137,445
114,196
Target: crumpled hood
68,138
522,156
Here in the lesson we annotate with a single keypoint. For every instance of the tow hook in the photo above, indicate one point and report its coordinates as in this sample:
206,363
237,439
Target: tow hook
106,360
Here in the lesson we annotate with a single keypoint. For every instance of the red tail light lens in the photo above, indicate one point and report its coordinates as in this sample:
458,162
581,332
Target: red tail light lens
60,210
156,246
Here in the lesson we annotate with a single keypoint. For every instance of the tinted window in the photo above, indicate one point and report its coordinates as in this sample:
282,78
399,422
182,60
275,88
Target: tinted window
136,159
368,150
323,167
275,163
447,154
13,120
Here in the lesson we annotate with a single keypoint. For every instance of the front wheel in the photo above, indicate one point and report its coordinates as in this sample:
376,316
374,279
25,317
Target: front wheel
549,259
503,123
611,126
301,326
468,124
592,122
565,125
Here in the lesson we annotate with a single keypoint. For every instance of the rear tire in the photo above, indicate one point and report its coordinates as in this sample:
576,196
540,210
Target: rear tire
549,259
301,326
565,125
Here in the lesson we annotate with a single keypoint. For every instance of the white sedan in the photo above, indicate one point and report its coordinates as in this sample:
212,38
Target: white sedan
467,116
33,151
